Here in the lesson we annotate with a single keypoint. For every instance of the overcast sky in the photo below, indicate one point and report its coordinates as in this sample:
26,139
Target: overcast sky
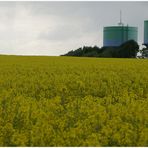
54,28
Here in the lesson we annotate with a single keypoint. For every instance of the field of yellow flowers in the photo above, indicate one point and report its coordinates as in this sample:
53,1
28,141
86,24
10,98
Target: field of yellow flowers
67,101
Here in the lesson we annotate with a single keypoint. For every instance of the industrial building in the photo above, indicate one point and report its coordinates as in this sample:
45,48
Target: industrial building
146,33
117,35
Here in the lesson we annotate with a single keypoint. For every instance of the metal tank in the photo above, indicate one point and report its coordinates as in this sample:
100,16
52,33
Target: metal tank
146,32
116,35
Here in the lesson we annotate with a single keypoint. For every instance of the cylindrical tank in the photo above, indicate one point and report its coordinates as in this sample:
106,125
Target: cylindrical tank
146,32
116,35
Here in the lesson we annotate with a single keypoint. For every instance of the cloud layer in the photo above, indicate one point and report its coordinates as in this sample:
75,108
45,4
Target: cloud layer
54,28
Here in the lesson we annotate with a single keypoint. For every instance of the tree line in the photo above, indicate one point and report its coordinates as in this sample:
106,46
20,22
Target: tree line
128,49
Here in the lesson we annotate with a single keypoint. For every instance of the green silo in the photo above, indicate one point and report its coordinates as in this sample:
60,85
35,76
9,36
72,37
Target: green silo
116,35
146,32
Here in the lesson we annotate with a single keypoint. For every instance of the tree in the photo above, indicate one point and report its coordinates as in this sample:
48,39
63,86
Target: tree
128,49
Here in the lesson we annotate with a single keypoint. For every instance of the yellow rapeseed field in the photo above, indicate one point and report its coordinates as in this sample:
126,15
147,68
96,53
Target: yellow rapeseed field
67,101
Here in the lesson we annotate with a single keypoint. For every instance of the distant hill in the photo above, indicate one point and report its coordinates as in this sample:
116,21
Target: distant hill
128,49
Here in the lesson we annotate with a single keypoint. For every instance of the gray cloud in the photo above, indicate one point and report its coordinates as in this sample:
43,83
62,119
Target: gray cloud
53,28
